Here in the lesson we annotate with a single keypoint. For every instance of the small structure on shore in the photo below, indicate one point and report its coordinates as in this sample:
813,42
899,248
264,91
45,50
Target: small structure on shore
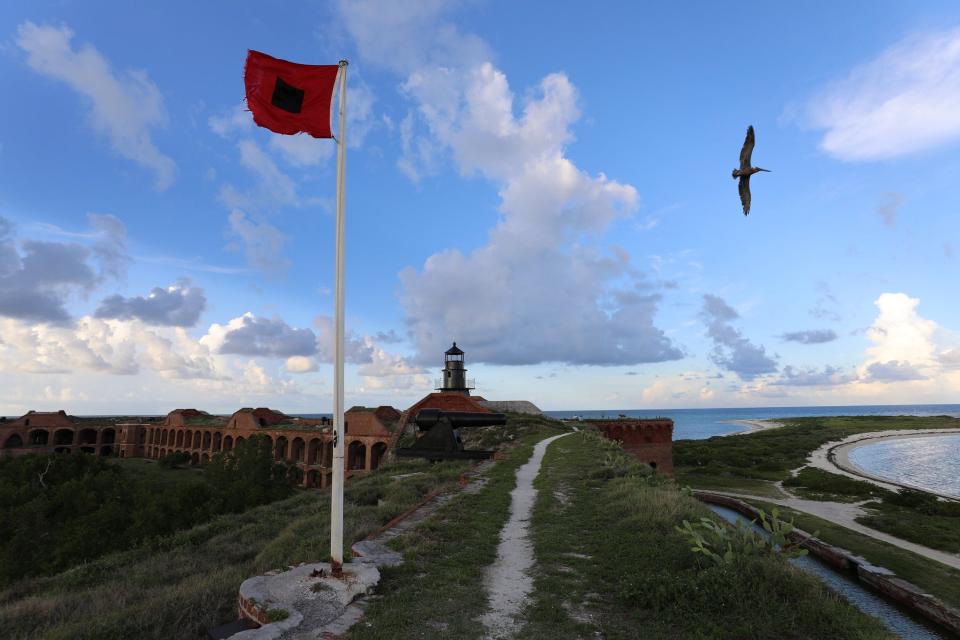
649,440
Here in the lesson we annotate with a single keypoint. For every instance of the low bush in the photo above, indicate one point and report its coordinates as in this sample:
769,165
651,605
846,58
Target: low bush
820,484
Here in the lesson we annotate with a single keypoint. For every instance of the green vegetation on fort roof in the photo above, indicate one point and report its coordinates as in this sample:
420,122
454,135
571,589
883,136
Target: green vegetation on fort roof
608,563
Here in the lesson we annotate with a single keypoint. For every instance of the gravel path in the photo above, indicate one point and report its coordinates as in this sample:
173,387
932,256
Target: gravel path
508,580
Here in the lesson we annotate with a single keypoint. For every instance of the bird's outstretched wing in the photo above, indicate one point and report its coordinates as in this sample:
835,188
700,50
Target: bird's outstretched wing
747,150
745,193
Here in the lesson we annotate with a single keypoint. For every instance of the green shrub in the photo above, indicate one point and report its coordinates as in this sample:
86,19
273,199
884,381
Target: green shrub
723,543
174,459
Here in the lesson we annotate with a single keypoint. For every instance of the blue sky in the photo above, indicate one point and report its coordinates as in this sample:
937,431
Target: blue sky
550,188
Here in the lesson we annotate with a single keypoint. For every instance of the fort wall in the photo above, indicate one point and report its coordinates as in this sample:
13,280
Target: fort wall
650,441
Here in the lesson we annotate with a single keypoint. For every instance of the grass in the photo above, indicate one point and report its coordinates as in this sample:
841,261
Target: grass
816,484
932,576
155,473
733,484
437,592
750,463
610,563
772,454
179,585
918,517
608,560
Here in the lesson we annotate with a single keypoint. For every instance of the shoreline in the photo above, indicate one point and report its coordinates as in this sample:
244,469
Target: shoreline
750,426
834,457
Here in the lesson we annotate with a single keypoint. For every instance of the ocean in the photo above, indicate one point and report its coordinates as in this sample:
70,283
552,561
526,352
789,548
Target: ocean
697,424
929,462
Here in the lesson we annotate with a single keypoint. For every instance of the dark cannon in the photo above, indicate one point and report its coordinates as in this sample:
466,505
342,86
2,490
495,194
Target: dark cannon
441,437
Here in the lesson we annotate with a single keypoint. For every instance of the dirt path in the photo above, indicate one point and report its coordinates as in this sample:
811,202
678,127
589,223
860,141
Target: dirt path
508,579
844,514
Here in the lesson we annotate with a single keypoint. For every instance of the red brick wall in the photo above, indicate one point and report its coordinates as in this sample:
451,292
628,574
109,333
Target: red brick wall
650,441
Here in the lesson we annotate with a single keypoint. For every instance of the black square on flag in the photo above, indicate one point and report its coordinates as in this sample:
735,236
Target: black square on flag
287,96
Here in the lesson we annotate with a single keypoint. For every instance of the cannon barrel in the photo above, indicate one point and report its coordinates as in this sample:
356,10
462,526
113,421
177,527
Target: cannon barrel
427,418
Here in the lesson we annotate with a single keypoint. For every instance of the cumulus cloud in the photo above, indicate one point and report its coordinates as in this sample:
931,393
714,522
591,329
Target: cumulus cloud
899,333
388,337
904,101
104,346
731,350
812,336
401,37
249,335
301,364
539,290
892,371
888,208
178,305
125,107
357,350
38,277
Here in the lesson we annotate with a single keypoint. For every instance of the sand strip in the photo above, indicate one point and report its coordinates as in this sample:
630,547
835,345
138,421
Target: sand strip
749,426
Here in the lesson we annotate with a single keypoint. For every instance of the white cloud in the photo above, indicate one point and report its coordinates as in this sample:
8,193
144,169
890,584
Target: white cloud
405,36
904,101
237,119
262,243
124,107
539,281
900,334
301,364
302,150
280,188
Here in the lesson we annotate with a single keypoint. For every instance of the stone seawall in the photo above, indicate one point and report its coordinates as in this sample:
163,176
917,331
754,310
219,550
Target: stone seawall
878,578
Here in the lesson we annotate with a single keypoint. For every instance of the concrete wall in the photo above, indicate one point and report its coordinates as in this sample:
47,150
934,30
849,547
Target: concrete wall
511,406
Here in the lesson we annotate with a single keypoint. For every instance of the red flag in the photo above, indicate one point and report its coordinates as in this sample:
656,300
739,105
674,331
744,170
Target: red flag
287,97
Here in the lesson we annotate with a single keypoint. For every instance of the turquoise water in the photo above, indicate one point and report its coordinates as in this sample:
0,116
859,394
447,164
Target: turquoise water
696,424
930,462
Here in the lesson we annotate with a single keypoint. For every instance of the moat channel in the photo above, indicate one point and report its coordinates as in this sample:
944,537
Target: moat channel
900,621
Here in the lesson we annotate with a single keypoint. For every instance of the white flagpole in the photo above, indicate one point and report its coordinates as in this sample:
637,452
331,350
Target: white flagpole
336,494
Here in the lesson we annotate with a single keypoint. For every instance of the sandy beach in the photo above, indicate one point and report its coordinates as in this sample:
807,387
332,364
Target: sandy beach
753,425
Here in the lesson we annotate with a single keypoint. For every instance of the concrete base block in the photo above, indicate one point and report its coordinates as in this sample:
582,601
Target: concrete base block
299,603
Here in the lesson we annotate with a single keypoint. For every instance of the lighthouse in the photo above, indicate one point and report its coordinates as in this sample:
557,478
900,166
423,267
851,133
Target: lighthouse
454,375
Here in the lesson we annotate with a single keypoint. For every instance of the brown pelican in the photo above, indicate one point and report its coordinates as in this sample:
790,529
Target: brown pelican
745,170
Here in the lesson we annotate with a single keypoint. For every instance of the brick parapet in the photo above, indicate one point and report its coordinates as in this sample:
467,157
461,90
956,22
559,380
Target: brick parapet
649,440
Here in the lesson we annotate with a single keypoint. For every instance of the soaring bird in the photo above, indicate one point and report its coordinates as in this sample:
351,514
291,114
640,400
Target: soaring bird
745,170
